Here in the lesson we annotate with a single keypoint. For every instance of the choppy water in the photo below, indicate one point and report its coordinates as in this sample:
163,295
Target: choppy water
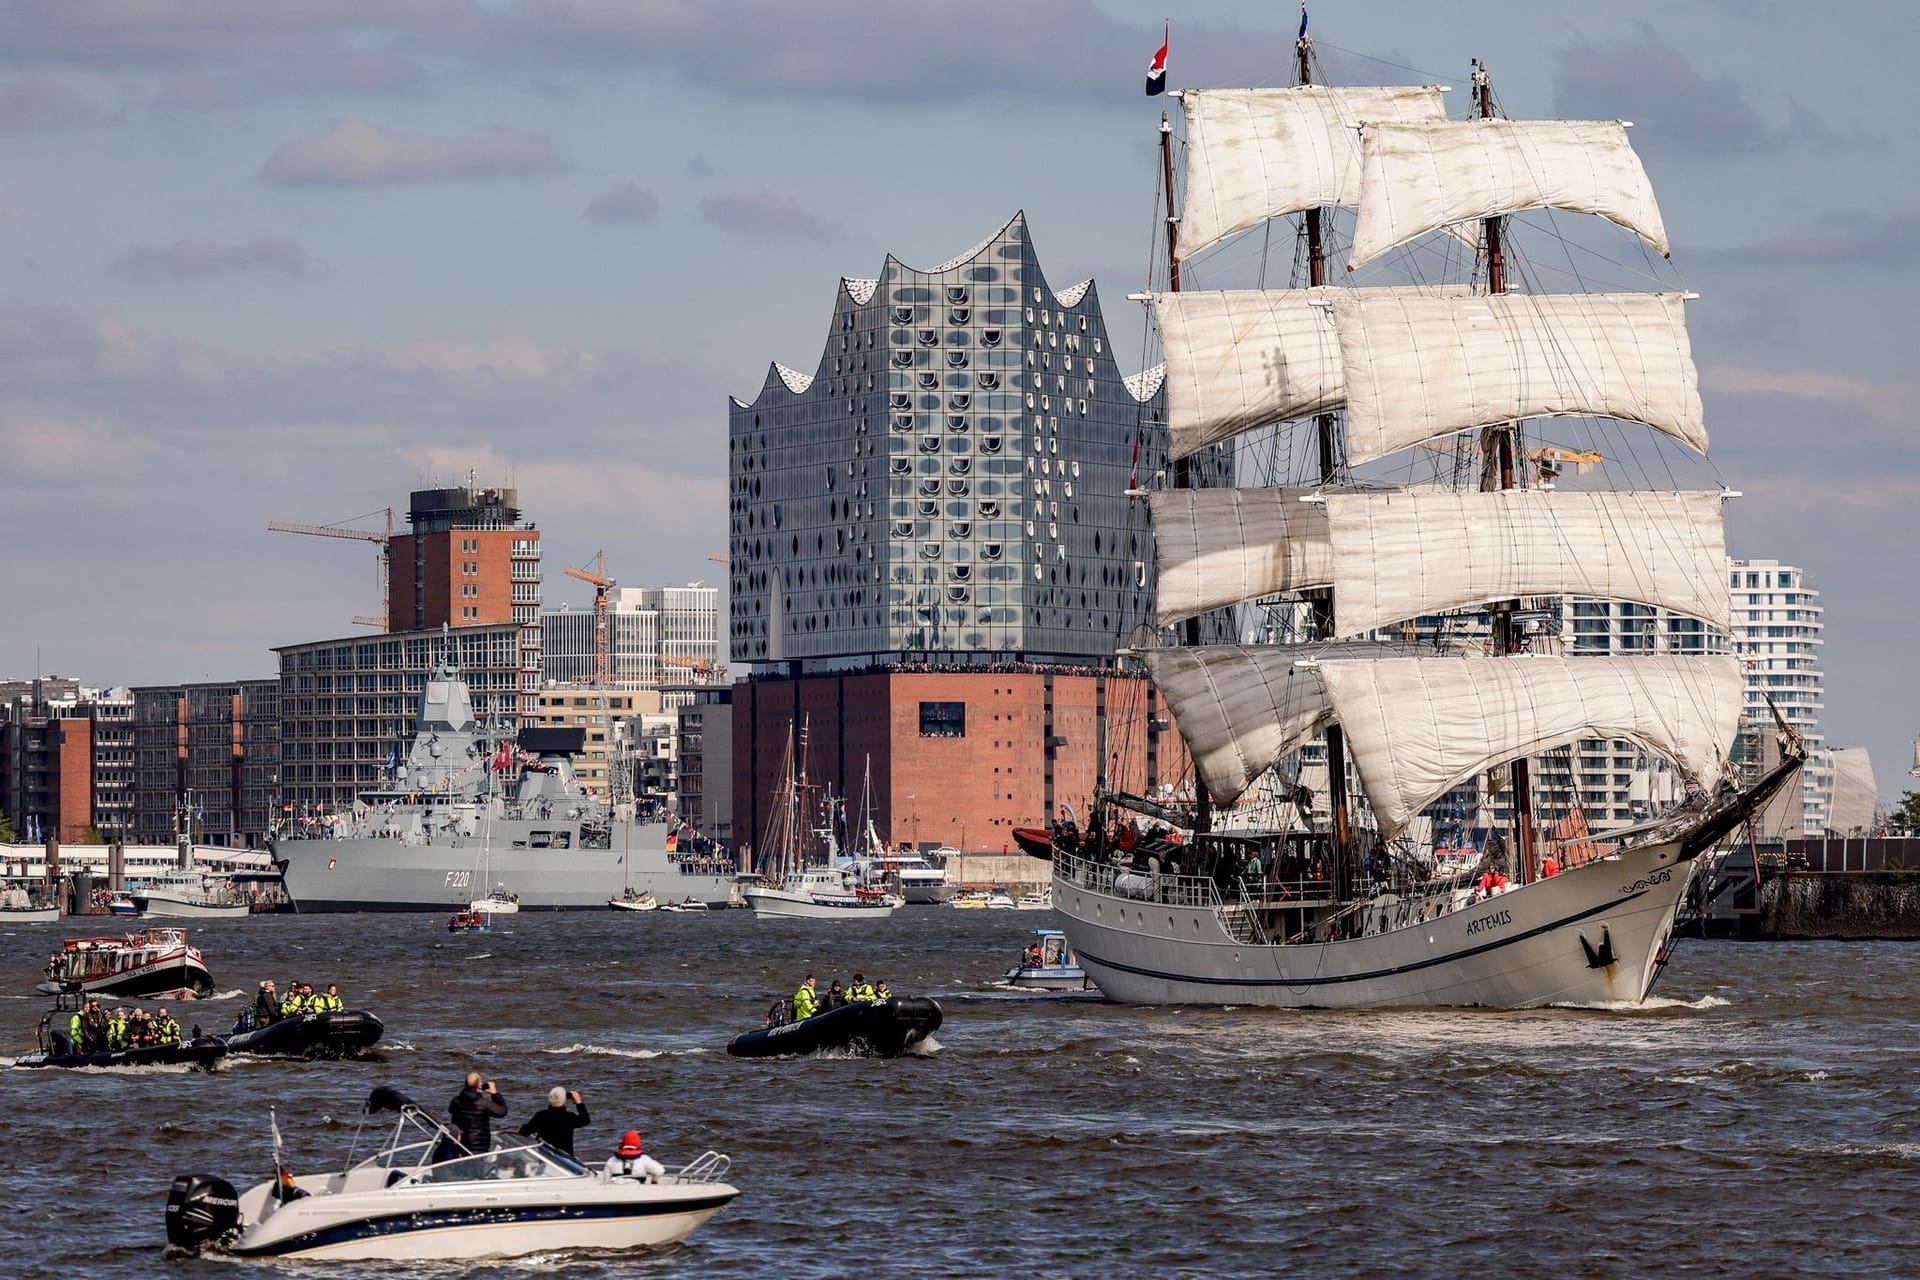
1760,1118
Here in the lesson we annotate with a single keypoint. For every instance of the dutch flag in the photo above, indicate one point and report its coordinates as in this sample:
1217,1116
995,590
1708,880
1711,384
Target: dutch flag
1157,69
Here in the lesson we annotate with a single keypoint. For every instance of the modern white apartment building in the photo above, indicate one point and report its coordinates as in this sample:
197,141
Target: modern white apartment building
1777,620
644,626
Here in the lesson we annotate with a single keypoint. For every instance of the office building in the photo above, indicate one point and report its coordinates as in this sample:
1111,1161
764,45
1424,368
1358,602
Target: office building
66,759
656,636
207,761
468,561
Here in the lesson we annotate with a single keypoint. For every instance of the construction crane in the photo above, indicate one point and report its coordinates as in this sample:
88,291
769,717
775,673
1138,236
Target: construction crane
602,646
382,540
692,664
1551,460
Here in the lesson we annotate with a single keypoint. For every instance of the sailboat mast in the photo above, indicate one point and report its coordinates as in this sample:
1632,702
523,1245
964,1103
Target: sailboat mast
1183,467
1338,805
1505,638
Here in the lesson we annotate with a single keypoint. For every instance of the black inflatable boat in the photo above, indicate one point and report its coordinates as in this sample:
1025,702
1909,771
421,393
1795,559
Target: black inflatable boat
202,1051
307,1035
884,1029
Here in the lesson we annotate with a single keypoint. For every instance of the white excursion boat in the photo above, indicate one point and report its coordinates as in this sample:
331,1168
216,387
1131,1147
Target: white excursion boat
21,903
420,1198
820,893
158,961
189,894
1363,372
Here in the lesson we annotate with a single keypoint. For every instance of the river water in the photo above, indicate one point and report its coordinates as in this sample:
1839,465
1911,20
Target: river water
1759,1117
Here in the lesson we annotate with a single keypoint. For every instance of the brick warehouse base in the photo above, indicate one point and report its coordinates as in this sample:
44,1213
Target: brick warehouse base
958,758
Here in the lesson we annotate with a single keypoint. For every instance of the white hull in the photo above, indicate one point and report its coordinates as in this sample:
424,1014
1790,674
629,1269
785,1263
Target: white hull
514,1239
494,907
1531,946
925,894
633,904
788,904
161,902
28,915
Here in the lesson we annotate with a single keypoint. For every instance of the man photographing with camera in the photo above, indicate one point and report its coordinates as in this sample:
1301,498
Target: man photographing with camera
473,1109
553,1124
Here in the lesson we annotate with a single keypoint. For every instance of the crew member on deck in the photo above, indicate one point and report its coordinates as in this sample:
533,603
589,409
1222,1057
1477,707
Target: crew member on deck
881,991
836,998
166,1031
330,1002
805,1001
553,1124
860,992
266,1004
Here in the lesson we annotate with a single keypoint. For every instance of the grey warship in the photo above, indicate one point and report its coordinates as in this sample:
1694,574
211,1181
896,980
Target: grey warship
450,825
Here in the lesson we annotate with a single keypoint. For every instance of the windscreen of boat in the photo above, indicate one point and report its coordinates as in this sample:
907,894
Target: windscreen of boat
514,1157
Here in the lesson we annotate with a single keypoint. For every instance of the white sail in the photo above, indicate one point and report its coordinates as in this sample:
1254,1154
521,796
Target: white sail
1417,726
1243,358
1216,547
1255,154
1855,792
1416,366
1398,555
1421,176
1240,708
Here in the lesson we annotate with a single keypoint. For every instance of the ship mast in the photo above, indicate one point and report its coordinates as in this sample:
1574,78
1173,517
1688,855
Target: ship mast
1498,475
1183,467
1322,601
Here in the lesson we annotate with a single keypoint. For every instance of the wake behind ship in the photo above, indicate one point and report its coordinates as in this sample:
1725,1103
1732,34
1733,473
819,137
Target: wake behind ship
448,828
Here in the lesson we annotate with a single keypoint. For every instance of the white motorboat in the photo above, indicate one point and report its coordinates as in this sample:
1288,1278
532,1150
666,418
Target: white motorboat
982,900
1048,964
631,901
820,893
420,1197
21,903
686,904
1040,901
188,894
497,903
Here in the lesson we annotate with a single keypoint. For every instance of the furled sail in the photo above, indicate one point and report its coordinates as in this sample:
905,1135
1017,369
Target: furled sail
1255,154
1421,176
1244,358
1397,555
1217,547
1417,726
1418,366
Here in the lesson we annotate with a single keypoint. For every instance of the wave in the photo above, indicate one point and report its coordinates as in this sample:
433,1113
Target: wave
609,1051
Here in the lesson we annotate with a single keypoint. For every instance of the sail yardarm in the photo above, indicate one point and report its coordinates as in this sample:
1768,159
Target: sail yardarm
1240,708
1400,555
1255,154
1416,367
1218,547
1421,176
1415,727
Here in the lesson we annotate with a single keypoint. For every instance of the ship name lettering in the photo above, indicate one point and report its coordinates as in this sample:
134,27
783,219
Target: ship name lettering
1491,921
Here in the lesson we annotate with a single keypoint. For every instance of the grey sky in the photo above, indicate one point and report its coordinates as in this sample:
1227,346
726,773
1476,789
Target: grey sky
288,261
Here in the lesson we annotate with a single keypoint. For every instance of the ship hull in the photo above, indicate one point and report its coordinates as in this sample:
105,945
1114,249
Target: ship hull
788,905
397,875
163,903
1594,935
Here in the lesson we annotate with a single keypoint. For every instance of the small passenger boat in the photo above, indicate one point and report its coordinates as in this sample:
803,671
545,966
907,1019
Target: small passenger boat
306,1035
156,962
686,904
421,1197
55,1046
1048,964
469,922
631,901
877,1029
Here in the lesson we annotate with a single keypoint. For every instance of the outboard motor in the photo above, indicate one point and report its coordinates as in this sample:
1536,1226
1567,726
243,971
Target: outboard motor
200,1208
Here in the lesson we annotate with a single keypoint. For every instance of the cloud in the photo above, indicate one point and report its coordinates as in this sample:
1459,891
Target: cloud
765,215
328,69
1677,111
624,204
356,154
197,260
1853,240
700,168
41,102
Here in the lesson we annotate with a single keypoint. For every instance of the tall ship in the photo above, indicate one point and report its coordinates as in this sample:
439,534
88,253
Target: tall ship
454,821
1439,354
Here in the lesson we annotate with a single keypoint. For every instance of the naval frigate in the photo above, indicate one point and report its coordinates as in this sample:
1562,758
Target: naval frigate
448,827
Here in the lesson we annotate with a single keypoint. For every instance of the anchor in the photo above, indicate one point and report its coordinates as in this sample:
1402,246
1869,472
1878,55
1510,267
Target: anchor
1602,956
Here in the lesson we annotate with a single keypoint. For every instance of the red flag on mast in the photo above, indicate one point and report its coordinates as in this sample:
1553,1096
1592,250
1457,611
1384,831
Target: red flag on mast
1157,69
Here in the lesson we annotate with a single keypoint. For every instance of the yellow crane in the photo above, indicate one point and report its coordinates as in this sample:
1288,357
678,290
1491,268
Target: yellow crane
382,540
602,645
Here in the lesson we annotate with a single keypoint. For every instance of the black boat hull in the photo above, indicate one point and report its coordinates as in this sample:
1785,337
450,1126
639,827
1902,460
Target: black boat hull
310,1035
881,1030
201,1053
